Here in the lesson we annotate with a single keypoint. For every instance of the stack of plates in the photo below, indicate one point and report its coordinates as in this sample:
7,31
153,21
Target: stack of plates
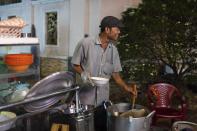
50,84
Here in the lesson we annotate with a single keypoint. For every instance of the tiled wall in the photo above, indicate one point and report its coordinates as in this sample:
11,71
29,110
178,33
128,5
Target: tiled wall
51,65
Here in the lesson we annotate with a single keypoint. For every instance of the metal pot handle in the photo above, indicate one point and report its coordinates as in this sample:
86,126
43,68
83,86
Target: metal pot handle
147,118
106,104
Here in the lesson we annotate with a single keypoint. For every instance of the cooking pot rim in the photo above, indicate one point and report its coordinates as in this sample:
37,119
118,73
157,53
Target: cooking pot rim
109,110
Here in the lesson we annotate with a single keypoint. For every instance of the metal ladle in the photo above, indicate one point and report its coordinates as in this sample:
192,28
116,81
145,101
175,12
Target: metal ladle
134,112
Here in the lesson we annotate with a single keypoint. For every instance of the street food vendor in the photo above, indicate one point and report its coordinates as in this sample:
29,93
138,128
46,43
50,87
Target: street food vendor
99,57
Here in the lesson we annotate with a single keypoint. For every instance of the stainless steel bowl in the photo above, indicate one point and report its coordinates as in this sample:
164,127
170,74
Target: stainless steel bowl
7,120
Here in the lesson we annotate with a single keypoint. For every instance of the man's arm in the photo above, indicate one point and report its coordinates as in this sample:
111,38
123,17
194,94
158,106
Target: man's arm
116,76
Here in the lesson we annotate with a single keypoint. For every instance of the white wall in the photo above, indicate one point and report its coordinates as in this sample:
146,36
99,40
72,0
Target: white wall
95,7
62,9
22,10
76,18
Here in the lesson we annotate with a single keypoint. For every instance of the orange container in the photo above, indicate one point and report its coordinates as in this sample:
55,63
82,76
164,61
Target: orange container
18,59
18,62
18,68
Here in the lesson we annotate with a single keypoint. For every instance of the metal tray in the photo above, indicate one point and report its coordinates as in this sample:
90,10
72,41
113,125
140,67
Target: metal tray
50,84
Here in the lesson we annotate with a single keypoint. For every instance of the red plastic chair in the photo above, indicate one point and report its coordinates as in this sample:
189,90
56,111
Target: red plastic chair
167,101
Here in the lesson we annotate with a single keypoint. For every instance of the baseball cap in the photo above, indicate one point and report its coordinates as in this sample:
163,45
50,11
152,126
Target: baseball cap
111,21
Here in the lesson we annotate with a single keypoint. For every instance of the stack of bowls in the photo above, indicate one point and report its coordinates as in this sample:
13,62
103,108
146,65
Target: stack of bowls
18,62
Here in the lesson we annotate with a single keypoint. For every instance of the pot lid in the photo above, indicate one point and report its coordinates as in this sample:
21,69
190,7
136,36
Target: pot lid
52,83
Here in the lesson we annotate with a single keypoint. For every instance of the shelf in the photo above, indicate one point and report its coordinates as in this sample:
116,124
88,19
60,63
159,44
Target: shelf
40,97
19,74
28,43
30,76
18,41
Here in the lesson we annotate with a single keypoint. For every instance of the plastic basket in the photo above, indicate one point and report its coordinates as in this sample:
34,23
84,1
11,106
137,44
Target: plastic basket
11,27
8,31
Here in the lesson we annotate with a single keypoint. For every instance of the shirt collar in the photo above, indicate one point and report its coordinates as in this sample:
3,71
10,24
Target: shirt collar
98,42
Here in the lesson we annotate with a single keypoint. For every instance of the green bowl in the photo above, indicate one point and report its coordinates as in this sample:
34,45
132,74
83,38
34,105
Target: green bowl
10,115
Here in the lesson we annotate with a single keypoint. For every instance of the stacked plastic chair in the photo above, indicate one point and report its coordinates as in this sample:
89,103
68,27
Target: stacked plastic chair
160,98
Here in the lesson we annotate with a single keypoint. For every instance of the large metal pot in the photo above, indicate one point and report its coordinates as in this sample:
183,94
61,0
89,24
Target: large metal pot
118,123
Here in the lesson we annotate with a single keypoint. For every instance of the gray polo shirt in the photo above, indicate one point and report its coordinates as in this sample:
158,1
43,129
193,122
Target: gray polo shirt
99,63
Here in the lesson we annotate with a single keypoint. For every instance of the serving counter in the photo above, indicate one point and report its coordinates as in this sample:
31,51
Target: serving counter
44,96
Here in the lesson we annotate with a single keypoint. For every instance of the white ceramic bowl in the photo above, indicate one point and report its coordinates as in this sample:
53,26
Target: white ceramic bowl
99,80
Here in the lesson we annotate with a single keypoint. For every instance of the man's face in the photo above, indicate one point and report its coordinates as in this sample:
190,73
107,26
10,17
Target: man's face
113,33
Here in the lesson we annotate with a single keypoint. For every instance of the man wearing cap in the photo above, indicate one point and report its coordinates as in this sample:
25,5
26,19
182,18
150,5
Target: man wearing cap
98,57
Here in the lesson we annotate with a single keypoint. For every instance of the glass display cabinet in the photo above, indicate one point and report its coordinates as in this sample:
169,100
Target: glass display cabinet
19,66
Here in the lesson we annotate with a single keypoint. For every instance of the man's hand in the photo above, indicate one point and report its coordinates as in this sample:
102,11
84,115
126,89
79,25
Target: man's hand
85,76
132,89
